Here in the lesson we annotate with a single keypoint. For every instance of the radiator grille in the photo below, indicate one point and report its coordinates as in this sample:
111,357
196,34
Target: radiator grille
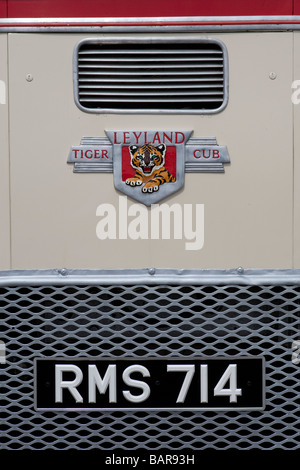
156,321
174,76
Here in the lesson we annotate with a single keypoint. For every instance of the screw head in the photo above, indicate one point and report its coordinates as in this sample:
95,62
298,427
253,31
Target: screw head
29,77
272,75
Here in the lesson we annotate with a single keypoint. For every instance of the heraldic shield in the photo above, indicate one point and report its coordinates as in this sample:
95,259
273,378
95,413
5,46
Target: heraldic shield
148,166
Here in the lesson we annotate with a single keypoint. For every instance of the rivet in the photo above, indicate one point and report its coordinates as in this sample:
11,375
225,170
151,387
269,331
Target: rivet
240,270
272,75
29,77
63,272
151,271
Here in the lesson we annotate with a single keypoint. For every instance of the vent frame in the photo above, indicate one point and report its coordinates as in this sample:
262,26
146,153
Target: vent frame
140,41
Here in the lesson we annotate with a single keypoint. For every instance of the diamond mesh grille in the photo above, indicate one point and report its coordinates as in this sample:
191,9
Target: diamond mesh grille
154,321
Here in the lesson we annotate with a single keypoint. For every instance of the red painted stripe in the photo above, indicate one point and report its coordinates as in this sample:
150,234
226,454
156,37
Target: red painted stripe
138,8
296,7
3,8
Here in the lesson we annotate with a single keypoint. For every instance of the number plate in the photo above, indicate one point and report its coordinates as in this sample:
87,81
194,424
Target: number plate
168,383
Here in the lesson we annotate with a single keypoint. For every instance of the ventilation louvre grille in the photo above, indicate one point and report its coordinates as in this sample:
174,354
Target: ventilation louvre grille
166,77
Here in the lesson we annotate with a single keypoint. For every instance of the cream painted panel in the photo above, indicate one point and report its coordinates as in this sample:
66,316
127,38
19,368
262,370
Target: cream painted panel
295,95
248,209
4,159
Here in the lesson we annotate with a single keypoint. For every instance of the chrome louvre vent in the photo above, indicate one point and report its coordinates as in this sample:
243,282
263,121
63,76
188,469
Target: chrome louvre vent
159,76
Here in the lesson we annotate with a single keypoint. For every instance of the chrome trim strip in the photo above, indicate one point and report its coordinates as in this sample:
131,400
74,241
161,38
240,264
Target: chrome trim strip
158,19
146,24
150,276
204,167
217,29
94,168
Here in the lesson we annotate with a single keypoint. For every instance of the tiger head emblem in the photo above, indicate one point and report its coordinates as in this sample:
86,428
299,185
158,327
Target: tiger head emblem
148,162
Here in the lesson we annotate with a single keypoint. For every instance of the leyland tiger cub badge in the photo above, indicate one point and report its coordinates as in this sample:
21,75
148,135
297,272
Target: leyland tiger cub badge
148,165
